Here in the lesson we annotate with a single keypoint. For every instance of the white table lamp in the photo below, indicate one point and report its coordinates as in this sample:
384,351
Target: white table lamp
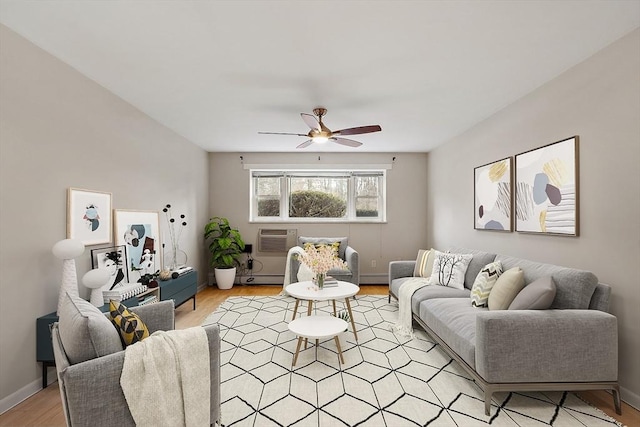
95,280
67,250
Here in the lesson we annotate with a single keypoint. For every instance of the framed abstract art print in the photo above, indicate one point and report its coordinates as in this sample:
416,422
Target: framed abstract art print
89,216
139,231
492,196
547,189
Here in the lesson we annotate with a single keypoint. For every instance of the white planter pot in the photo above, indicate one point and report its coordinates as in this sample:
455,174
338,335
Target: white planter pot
225,277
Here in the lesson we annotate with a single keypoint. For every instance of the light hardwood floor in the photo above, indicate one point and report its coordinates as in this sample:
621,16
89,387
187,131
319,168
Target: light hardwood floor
44,408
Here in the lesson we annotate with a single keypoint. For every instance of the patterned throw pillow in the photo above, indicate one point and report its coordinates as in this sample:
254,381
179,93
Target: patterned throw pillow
132,328
484,283
424,263
449,269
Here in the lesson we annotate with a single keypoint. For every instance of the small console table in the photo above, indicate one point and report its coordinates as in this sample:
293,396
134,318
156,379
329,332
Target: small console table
180,290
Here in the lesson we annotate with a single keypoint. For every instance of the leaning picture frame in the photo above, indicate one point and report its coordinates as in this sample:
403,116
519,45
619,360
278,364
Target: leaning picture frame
139,231
547,187
114,260
89,217
492,195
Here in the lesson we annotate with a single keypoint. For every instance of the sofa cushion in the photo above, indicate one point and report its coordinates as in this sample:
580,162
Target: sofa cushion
85,332
449,269
434,291
454,321
131,327
424,263
574,288
342,241
537,295
479,260
506,288
484,283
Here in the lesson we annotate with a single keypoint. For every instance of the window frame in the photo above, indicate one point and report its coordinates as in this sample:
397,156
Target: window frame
285,193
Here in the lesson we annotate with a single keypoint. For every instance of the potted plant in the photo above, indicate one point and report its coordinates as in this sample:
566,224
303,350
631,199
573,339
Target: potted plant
226,246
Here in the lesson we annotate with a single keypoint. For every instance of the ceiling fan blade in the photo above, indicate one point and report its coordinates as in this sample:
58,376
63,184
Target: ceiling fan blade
305,144
347,142
282,133
310,120
358,130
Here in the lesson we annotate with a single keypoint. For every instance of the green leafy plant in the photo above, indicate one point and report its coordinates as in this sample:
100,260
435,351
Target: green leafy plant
226,244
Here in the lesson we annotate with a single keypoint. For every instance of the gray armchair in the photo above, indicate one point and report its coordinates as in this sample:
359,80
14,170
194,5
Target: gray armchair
90,390
345,252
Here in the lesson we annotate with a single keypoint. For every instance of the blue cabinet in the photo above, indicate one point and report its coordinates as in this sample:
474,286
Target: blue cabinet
180,289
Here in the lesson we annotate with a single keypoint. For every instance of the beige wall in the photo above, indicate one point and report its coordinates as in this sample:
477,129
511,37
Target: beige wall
59,129
599,100
399,238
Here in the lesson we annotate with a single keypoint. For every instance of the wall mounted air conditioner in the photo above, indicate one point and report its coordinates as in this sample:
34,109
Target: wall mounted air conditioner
277,240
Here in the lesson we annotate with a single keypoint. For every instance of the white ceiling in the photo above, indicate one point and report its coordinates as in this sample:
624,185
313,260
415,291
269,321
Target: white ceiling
217,72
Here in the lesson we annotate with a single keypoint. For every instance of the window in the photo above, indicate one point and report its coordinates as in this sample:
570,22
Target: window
312,195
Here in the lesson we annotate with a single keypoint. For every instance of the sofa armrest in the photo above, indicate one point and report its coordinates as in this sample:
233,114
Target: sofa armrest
351,257
546,346
213,335
159,316
398,269
94,396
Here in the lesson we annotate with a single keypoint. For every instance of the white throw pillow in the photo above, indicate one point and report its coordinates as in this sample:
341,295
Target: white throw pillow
506,288
449,269
484,283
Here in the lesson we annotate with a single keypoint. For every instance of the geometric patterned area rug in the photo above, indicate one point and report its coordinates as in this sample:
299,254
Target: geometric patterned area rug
385,380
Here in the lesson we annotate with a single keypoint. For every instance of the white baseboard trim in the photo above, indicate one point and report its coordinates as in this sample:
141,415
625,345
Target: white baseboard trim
630,397
26,392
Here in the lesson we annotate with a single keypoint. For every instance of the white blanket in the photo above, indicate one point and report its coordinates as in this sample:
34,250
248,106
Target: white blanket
404,327
303,273
166,379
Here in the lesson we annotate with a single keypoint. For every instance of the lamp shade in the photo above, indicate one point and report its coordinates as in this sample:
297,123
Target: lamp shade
96,278
68,249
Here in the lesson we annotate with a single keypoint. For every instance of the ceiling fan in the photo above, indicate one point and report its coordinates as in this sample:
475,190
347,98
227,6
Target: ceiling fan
320,133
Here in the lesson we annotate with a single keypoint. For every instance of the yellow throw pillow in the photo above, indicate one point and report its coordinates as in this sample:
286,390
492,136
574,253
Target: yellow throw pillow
506,288
132,329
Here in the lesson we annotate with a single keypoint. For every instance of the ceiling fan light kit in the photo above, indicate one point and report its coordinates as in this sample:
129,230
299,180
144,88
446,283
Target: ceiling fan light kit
319,133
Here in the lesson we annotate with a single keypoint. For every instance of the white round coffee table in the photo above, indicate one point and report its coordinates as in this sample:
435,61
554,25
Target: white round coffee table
309,291
317,327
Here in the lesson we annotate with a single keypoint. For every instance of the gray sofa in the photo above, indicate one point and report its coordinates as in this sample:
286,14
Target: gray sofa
571,346
90,390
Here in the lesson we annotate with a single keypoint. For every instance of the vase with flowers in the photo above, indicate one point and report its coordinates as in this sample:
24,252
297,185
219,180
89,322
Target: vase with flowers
320,259
174,258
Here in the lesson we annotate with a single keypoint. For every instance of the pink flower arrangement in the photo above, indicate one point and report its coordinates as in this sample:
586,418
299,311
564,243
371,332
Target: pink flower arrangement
321,259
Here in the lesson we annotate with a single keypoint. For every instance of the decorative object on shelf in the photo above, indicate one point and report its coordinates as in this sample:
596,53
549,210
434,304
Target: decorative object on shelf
165,274
139,231
175,258
114,260
67,250
492,196
89,216
149,279
547,189
226,246
320,259
95,280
